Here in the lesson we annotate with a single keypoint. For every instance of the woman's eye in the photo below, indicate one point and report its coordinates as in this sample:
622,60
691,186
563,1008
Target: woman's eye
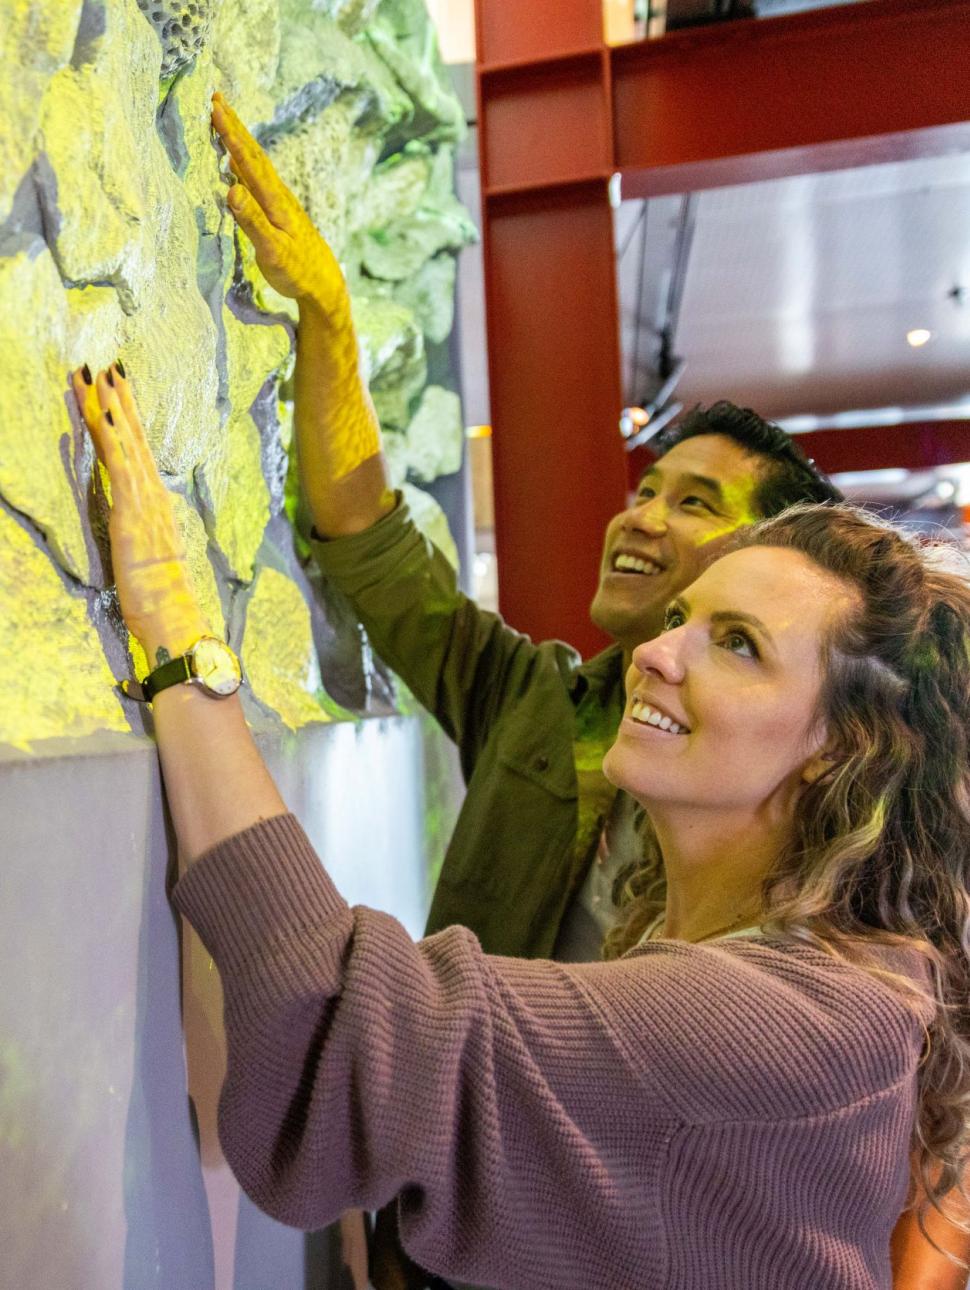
672,618
740,643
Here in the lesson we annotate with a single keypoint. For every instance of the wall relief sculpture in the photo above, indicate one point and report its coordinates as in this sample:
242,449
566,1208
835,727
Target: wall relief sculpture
115,242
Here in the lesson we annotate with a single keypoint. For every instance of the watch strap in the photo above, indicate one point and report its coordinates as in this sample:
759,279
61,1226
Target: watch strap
171,673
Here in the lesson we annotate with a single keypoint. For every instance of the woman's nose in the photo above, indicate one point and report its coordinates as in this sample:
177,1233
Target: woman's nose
663,656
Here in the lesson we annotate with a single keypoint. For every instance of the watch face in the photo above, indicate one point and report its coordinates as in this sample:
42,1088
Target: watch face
216,666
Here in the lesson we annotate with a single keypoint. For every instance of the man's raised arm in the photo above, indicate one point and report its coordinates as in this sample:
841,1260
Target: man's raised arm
338,437
337,433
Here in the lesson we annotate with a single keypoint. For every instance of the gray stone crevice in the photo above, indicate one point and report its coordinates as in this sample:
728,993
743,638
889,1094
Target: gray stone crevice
72,583
91,28
77,458
299,110
101,605
234,609
45,185
275,459
170,130
333,623
24,228
203,494
212,273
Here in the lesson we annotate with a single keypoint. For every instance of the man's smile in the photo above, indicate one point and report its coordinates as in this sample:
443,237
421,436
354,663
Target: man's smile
634,562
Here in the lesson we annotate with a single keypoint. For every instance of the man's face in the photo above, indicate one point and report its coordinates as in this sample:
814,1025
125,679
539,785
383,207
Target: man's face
686,507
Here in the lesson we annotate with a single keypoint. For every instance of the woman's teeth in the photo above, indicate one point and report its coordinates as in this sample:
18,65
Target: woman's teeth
632,564
648,716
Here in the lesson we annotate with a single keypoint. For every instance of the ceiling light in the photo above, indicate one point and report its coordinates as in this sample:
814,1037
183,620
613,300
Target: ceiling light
918,336
632,420
649,425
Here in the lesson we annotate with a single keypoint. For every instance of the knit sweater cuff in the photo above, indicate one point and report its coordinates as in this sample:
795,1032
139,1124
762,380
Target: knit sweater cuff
258,889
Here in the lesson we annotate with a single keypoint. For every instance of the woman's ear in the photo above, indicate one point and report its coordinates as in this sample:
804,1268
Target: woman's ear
819,765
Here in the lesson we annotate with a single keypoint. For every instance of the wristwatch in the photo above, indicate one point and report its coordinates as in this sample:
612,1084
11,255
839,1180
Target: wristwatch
209,663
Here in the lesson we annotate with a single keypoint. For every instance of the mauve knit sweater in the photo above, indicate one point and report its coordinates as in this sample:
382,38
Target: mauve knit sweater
720,1116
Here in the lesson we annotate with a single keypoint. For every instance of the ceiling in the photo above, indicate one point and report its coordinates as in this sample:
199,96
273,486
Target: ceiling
798,293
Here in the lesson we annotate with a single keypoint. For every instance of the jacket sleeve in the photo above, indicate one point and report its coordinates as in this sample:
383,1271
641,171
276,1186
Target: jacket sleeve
463,664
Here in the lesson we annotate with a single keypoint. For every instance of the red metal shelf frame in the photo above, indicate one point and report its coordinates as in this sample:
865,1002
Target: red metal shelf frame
560,113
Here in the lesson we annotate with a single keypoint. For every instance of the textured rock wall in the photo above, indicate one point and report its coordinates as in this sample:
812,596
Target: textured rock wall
115,241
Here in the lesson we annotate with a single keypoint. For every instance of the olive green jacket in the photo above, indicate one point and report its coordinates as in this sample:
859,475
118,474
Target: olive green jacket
511,868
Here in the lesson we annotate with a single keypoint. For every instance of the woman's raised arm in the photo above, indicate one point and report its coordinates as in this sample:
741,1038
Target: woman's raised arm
215,780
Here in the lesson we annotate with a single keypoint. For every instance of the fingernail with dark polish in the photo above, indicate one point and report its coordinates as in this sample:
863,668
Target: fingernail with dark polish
121,368
86,373
109,418
111,379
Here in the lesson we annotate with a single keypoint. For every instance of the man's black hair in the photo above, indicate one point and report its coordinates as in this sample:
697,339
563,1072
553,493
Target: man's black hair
787,475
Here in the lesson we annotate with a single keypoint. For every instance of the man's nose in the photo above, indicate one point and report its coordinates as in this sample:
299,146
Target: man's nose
649,514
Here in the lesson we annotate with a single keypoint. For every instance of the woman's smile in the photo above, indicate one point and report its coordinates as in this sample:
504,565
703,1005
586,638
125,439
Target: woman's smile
645,713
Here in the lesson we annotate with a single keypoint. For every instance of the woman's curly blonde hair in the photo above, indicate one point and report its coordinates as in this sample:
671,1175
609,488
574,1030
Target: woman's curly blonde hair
880,848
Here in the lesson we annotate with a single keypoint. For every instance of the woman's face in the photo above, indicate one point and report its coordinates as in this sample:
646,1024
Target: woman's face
733,681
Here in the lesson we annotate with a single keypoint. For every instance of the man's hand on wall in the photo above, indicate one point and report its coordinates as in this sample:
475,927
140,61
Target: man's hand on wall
155,591
292,256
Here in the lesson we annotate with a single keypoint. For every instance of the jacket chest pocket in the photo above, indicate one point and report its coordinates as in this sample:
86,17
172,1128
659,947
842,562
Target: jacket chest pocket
523,753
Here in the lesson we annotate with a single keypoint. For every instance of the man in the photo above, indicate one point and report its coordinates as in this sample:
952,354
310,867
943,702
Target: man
541,836
531,721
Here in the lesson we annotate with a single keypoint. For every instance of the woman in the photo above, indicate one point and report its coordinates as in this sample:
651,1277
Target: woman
732,1103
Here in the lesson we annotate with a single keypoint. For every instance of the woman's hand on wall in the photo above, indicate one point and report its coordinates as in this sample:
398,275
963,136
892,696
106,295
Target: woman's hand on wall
292,256
148,556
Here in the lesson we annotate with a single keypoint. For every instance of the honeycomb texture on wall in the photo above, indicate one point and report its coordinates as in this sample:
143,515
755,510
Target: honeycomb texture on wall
181,28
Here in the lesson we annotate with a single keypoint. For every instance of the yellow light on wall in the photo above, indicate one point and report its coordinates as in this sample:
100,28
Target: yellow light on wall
918,336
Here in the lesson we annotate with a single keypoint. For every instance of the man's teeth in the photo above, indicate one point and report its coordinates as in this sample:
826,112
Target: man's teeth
648,716
635,565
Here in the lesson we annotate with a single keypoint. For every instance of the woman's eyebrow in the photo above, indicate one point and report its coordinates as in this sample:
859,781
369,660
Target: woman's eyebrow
739,616
723,616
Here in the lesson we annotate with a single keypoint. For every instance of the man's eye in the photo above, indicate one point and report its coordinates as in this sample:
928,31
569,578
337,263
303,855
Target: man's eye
697,501
644,494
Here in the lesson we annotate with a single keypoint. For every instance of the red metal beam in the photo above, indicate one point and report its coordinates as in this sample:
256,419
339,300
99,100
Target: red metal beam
509,31
914,445
554,128
840,154
554,388
791,85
